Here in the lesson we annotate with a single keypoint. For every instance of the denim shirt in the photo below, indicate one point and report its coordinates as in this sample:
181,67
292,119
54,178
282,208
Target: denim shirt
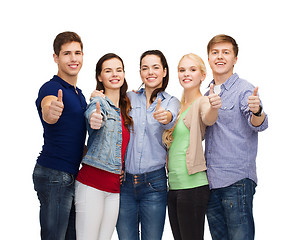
104,144
146,151
231,143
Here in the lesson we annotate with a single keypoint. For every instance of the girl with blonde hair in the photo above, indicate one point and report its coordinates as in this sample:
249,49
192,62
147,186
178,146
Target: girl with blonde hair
188,185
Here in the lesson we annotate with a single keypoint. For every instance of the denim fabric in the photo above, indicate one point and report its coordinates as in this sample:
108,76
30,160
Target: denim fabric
229,211
55,190
143,199
231,143
146,151
104,144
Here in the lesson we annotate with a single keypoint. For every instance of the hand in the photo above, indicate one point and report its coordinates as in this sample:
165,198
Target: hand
160,114
121,177
254,101
97,93
214,99
96,118
55,108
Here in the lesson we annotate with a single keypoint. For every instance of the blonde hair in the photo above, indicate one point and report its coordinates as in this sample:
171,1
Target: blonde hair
167,136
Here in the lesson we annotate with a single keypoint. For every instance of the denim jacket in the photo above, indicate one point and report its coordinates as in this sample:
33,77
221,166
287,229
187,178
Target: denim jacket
104,144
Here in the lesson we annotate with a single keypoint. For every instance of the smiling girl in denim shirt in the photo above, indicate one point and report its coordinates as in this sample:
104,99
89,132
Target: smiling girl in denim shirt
98,182
143,194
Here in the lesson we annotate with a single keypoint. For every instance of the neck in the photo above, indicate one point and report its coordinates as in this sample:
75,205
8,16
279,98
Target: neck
113,95
148,93
220,79
72,80
190,95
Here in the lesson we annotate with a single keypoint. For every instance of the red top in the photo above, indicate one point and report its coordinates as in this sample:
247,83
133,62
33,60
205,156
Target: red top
100,179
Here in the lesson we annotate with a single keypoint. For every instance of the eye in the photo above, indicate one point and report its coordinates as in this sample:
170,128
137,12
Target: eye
181,70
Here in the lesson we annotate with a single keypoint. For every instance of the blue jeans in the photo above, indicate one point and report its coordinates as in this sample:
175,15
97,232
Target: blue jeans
143,199
229,211
55,190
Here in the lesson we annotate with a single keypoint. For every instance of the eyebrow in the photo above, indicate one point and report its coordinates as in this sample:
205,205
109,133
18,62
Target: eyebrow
111,68
156,64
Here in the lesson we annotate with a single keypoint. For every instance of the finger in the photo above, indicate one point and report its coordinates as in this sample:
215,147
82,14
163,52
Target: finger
98,108
158,104
255,91
59,96
211,86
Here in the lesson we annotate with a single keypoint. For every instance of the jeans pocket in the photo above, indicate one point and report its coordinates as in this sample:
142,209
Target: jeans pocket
158,185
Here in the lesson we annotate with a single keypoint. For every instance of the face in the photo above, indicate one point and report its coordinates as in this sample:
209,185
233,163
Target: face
112,75
222,59
189,73
70,60
152,72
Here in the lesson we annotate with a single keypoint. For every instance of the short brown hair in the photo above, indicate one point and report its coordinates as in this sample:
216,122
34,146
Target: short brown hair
63,38
223,38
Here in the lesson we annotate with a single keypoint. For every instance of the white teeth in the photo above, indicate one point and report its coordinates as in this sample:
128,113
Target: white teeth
220,64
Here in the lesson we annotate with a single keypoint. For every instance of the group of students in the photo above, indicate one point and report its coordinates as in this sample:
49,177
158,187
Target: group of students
140,139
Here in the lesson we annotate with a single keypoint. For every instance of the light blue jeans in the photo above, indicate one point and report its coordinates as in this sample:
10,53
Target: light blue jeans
55,190
143,199
229,211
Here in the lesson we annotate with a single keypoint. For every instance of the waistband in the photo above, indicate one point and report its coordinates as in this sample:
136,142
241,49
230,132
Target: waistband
144,177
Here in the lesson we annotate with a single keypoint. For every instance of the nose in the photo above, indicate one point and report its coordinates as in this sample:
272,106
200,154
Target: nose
186,73
73,57
150,71
220,55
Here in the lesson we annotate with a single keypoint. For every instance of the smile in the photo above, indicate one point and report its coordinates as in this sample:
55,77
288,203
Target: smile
73,66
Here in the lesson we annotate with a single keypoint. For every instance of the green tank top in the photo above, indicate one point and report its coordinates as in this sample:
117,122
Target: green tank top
178,177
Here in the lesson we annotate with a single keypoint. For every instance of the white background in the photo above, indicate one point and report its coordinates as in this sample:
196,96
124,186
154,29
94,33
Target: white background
263,30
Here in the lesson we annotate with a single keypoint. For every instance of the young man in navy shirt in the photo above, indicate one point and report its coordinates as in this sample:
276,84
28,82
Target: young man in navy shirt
61,107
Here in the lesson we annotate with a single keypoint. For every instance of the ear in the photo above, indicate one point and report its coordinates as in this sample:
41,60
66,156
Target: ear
235,60
165,72
99,78
203,77
55,57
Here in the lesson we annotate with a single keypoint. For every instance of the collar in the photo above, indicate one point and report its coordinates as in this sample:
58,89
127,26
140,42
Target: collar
163,94
229,82
64,83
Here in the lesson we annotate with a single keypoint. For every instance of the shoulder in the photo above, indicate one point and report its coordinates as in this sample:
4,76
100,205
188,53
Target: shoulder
50,88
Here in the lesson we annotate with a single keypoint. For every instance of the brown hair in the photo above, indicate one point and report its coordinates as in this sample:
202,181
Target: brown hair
221,38
63,38
124,101
164,65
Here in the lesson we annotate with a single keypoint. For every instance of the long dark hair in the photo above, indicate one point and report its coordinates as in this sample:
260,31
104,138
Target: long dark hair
164,65
124,101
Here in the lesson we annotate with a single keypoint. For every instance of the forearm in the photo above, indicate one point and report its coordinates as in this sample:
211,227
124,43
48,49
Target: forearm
210,116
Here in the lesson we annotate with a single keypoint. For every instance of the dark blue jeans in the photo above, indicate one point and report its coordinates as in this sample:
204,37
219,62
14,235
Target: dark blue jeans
229,211
143,199
55,190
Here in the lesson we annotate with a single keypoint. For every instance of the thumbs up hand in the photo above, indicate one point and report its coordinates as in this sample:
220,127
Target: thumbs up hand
96,118
160,114
254,101
55,109
214,99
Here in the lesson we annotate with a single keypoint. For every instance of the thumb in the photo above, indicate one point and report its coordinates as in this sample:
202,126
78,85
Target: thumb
255,91
211,89
59,96
158,104
98,108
